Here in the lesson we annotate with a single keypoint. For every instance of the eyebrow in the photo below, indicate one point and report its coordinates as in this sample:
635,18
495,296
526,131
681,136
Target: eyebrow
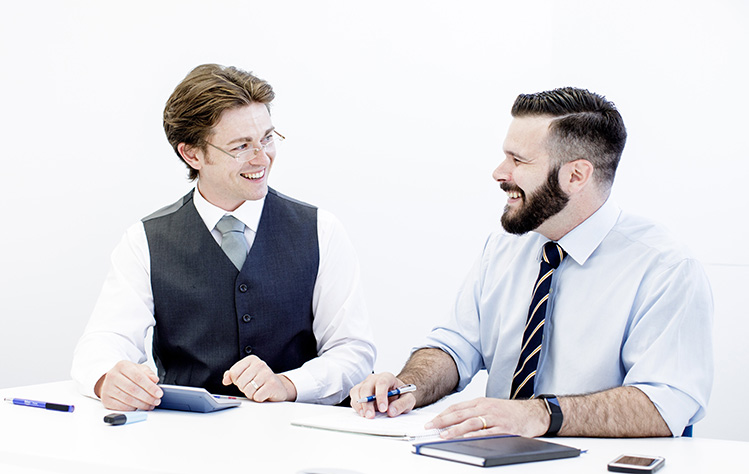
249,139
515,155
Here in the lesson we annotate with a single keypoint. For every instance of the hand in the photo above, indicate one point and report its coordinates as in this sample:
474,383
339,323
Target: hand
129,386
517,417
379,385
255,379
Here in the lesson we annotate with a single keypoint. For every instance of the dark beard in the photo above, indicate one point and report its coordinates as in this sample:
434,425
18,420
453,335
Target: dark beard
544,203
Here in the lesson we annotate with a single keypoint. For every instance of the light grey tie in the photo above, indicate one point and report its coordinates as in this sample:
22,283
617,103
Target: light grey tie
233,242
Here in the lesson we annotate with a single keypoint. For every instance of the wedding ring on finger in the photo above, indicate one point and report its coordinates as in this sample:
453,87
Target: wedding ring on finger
482,421
257,387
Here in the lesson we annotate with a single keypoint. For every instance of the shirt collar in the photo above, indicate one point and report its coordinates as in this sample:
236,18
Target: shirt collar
583,240
249,212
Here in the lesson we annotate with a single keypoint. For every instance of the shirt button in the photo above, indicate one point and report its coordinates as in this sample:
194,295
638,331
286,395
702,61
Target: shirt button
248,350
246,318
243,288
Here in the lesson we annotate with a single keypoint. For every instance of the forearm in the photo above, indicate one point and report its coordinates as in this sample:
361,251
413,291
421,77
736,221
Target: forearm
433,372
617,413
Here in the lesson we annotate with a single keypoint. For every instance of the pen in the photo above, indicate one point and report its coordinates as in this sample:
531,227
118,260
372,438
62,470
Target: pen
116,419
404,389
36,404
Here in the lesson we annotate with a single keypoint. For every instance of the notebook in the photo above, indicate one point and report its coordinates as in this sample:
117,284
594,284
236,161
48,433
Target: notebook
408,427
495,450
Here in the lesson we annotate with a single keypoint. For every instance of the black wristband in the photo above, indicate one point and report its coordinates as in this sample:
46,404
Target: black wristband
555,413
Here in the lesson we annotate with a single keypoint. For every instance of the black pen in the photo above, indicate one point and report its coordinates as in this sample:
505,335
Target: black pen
33,403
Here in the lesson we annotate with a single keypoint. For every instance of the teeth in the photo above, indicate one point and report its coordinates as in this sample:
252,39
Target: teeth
256,175
513,194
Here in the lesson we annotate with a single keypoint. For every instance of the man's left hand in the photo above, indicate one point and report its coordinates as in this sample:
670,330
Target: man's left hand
492,416
258,382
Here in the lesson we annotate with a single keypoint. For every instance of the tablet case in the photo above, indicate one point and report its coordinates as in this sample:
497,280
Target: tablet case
495,450
194,399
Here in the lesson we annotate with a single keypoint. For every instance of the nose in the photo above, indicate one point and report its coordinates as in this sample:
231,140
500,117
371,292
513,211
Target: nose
260,157
502,172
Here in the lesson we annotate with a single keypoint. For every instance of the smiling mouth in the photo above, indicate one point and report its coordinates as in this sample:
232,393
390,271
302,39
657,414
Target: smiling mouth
255,175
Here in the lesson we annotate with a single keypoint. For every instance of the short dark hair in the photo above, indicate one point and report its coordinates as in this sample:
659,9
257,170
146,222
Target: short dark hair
204,94
588,127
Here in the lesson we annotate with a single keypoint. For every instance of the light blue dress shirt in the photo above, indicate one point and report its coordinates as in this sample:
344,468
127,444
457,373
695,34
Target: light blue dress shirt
628,306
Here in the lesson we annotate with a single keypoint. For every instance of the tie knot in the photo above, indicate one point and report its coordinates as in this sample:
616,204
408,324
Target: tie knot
553,254
229,224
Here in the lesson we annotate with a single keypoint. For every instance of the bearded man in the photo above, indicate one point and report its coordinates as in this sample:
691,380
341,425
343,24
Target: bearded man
610,337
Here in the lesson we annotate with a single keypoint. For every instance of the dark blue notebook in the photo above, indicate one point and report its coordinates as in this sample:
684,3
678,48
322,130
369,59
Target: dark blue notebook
495,450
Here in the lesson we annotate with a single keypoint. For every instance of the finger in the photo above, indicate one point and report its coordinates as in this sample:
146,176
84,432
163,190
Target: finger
149,373
144,378
473,426
239,367
129,384
382,386
123,402
253,387
271,389
250,381
452,416
403,404
114,397
362,391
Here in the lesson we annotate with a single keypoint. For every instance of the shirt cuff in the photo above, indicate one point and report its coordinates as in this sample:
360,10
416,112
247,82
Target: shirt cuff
677,409
307,388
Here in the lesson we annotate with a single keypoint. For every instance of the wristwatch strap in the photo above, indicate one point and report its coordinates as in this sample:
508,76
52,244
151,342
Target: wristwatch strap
555,413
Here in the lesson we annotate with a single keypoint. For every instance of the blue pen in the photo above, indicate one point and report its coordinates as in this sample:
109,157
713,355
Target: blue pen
116,419
404,389
33,403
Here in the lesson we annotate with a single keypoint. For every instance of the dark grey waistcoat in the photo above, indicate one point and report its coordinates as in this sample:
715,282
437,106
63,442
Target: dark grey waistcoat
209,315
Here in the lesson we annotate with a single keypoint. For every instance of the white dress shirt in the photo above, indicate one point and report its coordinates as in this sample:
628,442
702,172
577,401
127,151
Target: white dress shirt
628,306
125,311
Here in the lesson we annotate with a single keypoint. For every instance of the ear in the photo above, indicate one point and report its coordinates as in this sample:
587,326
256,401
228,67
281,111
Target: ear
575,176
192,155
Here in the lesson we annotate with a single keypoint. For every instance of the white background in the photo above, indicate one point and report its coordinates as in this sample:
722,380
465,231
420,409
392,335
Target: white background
395,112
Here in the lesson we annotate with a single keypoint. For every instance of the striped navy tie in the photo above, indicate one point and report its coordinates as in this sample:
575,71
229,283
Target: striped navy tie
533,335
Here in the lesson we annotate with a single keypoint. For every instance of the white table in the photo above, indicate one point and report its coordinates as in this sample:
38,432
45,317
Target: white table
258,438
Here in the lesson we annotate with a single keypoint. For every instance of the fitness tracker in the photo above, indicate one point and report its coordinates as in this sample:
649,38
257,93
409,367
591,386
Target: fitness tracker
555,412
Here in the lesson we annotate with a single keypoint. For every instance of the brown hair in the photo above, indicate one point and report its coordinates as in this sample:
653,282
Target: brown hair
588,127
204,94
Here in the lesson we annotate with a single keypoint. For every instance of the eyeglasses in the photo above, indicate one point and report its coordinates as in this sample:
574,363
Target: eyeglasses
248,152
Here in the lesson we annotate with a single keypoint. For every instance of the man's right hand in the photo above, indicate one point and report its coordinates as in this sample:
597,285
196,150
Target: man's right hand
129,386
379,385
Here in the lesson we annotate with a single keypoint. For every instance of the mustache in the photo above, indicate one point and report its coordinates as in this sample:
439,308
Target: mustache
507,187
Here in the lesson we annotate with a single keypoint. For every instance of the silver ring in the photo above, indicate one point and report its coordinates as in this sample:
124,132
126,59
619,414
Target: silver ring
257,387
482,421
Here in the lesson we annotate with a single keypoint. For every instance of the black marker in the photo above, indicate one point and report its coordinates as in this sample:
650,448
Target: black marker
115,419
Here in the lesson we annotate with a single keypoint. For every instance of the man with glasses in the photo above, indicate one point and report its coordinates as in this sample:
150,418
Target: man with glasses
248,292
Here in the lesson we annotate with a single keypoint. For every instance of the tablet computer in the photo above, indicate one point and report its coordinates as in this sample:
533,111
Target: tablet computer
195,399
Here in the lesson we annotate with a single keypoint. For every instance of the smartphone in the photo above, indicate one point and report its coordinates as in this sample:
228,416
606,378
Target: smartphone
636,464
